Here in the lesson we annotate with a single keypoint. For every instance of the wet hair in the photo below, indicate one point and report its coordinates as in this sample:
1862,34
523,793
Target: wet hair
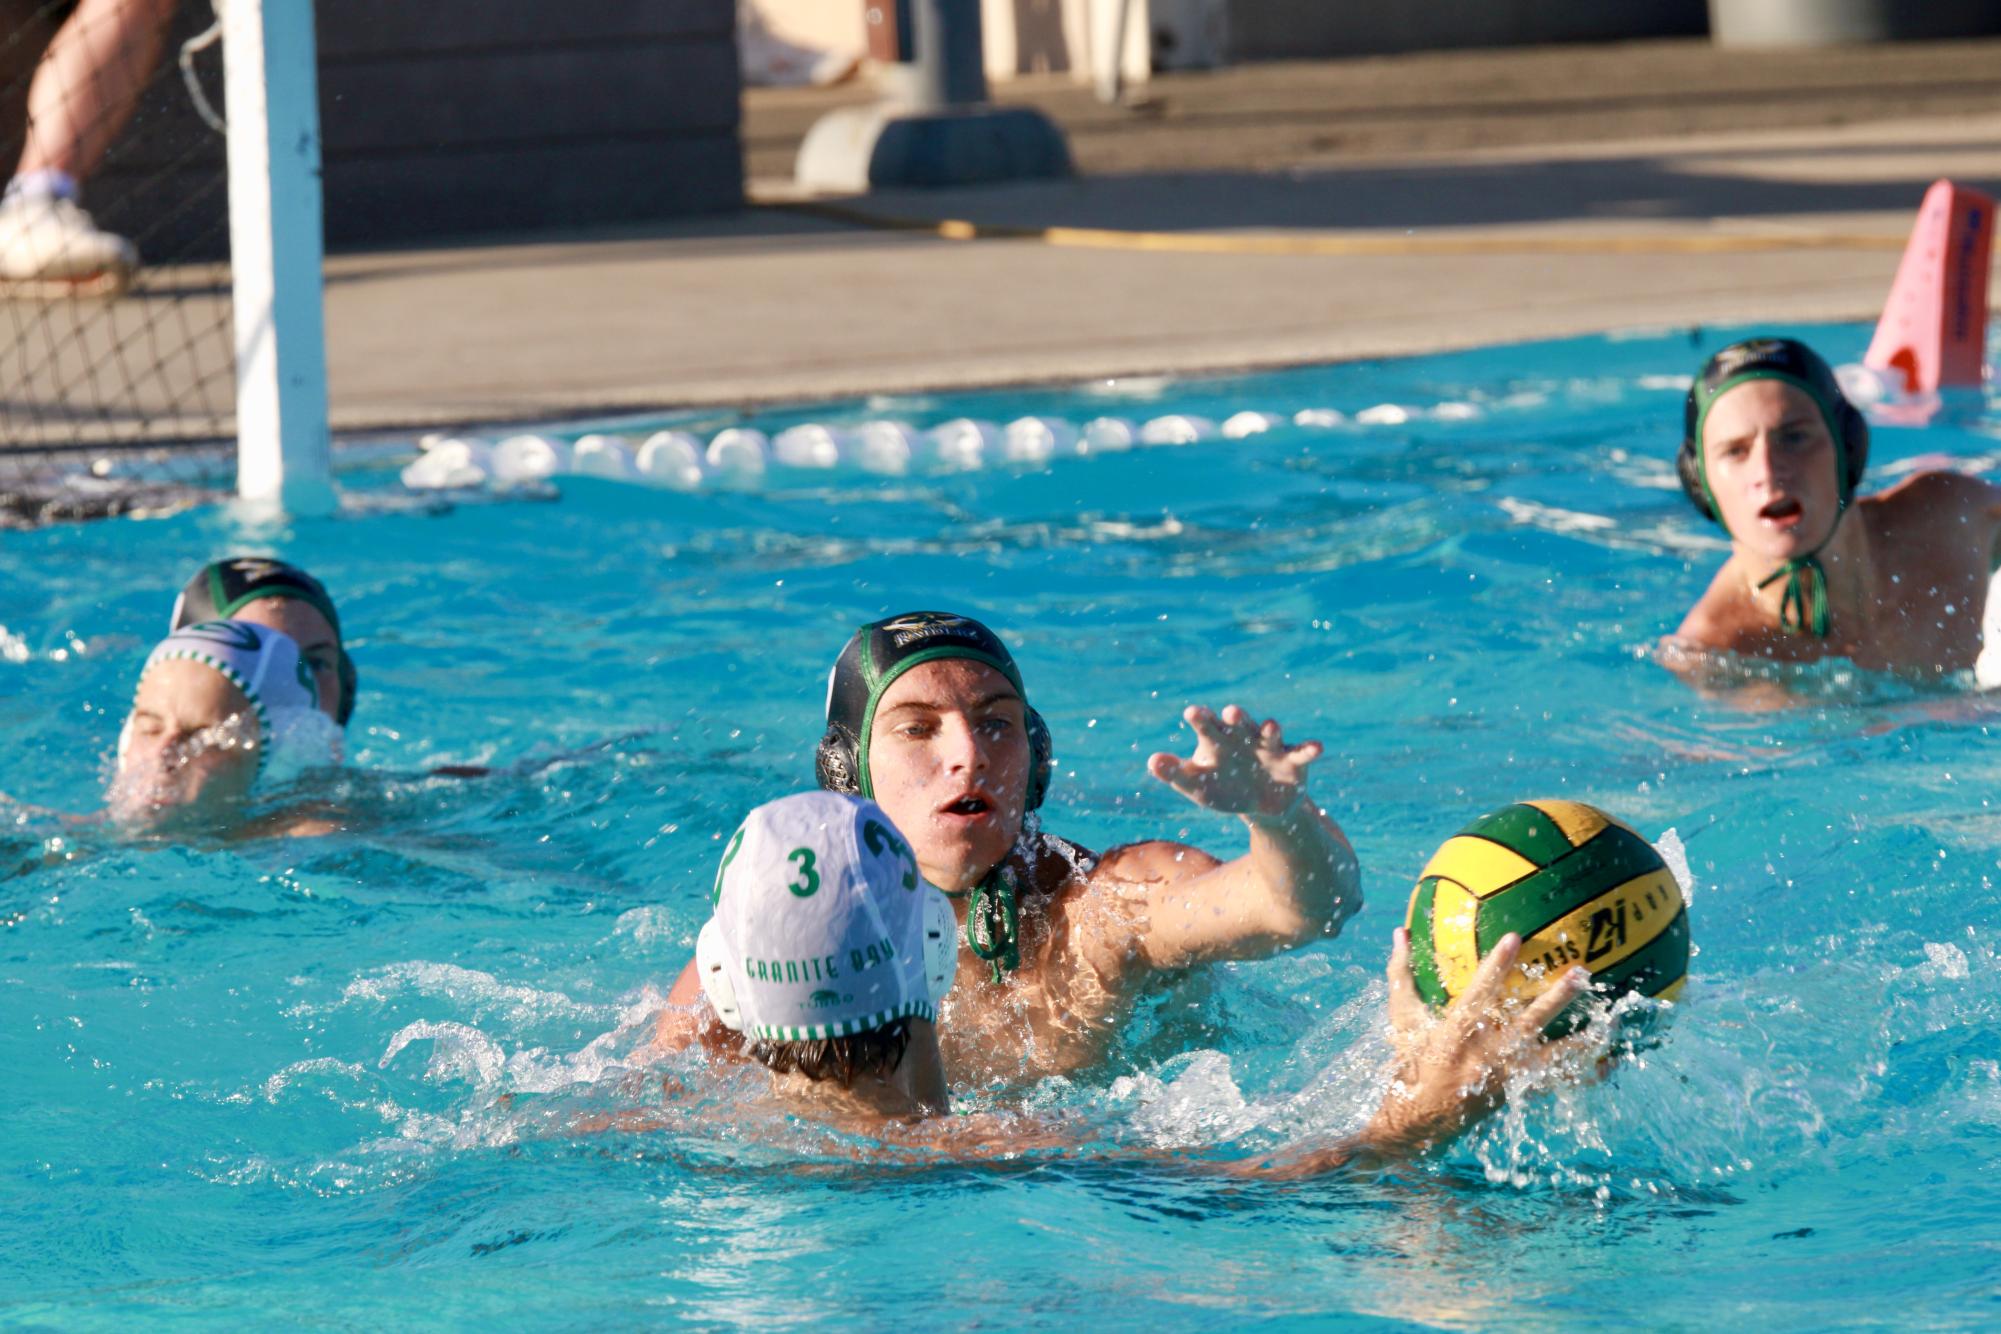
1788,361
877,1052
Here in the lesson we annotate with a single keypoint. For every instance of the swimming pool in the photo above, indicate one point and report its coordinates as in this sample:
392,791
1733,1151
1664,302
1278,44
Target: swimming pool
324,1081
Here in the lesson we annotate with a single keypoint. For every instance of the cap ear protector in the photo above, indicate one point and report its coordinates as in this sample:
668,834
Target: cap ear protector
712,966
880,652
222,588
941,960
1788,361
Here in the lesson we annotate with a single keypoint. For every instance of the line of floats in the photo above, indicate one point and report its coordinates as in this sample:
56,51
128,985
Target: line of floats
740,457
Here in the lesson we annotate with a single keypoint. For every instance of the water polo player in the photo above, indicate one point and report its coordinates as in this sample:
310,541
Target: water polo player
284,598
220,706
831,957
927,714
1773,452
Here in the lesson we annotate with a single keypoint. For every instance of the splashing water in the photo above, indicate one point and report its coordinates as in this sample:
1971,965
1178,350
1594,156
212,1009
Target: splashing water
371,1073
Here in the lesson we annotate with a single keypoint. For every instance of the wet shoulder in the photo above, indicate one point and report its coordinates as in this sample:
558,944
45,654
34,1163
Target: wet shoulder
1932,501
1155,861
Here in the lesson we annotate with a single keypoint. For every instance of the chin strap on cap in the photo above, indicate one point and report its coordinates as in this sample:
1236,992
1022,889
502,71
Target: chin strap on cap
1803,608
993,922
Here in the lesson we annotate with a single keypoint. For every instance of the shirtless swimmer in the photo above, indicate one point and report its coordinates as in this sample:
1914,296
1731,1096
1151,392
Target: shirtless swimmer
1773,452
830,956
927,715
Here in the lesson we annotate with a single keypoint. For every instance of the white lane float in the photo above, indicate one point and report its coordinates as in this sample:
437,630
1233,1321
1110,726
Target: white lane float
809,446
1244,424
964,443
451,463
522,459
607,456
889,448
672,459
739,456
1177,428
1034,440
1109,435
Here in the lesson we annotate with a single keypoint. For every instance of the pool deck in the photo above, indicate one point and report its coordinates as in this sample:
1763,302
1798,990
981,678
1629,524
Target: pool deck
1346,209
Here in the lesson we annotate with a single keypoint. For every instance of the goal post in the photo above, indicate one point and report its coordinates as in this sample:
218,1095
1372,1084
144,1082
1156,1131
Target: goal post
270,80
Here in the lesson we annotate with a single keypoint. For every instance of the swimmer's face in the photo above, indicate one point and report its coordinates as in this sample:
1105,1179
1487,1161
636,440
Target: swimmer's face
319,646
190,746
1771,463
948,758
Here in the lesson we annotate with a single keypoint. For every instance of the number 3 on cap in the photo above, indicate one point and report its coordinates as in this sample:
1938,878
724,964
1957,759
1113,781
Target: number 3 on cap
729,855
809,879
876,836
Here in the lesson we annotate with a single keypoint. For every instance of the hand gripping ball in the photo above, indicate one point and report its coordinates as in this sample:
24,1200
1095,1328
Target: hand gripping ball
1578,886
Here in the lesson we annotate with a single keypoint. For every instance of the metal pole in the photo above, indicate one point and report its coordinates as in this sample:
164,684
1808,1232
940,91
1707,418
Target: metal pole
951,59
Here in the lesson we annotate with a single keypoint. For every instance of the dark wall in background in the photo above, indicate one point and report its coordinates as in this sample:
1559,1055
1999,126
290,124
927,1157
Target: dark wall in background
1305,29
446,118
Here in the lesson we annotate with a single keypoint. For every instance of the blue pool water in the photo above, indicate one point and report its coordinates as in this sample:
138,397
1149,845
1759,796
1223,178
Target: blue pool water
333,1082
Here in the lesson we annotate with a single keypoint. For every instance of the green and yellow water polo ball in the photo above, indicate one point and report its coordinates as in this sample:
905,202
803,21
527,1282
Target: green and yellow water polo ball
1578,886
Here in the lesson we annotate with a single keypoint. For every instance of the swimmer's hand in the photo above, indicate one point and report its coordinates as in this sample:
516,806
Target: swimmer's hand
1238,766
1452,1068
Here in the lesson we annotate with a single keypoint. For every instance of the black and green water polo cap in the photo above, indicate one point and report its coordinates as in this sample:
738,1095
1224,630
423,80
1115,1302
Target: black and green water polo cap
880,652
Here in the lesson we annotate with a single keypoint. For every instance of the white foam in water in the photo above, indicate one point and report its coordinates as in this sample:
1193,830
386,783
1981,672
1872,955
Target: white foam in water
1669,846
1456,412
810,445
1177,429
318,1065
460,1051
300,740
603,456
1250,423
887,447
672,459
739,455
529,458
1200,1103
965,443
1865,385
481,992
1987,667
1320,417
1109,435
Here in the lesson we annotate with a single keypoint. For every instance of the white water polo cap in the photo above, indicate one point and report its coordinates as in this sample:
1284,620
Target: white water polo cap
262,663
823,927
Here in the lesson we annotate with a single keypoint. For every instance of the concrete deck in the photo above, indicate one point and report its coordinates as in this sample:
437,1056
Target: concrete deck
1456,200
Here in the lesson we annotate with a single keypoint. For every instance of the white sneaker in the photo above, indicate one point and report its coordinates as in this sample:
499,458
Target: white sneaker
50,247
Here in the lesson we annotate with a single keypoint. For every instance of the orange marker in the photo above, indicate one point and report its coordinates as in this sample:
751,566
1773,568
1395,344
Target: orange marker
1933,333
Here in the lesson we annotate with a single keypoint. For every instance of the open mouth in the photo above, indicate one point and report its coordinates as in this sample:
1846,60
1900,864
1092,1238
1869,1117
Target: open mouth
972,803
1784,511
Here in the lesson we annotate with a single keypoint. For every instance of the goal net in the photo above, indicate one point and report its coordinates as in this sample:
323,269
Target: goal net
119,364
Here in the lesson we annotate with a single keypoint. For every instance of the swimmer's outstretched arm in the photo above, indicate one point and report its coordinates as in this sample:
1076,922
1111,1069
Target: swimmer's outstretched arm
1452,1068
1299,881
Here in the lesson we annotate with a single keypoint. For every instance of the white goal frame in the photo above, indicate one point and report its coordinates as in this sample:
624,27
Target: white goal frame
276,243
